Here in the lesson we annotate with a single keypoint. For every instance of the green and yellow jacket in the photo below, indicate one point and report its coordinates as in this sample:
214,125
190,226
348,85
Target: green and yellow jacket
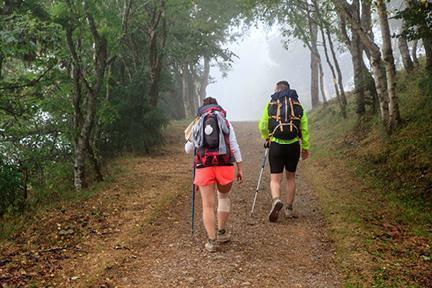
263,129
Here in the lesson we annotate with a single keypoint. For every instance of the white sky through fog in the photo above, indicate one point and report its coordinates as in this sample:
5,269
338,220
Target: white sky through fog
262,62
244,92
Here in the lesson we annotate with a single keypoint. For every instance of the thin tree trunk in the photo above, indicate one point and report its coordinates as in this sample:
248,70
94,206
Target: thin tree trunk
332,69
95,161
321,73
359,82
185,92
404,50
394,115
314,80
375,58
315,61
156,51
358,58
354,46
193,93
414,52
338,70
154,69
427,44
1,66
204,79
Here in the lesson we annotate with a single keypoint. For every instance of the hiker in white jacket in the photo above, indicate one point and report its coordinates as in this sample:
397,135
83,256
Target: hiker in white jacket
215,170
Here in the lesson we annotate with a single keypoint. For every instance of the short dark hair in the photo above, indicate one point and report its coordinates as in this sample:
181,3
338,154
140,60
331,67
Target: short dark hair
209,100
283,83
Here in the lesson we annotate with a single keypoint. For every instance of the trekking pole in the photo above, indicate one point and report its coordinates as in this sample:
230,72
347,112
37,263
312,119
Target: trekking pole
259,179
193,195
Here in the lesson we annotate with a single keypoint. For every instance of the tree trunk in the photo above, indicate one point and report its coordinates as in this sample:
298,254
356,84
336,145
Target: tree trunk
155,69
427,44
369,86
359,83
375,57
204,81
157,40
356,51
185,92
314,80
335,82
193,91
427,41
94,159
339,73
394,115
404,50
357,48
315,62
414,53
322,87
84,123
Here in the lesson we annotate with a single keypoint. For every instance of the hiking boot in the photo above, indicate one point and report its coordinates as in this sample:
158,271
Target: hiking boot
211,245
274,212
223,236
289,214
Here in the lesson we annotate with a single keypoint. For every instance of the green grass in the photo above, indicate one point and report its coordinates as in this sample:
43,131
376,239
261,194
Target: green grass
376,189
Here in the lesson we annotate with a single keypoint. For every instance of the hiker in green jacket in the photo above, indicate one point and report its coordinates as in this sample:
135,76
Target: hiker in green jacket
284,126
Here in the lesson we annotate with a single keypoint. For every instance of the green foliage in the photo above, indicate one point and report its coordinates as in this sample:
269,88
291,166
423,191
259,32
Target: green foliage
38,121
128,123
406,154
11,187
381,181
418,20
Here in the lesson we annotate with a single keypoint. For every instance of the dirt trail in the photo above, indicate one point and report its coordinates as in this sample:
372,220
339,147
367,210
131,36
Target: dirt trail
148,243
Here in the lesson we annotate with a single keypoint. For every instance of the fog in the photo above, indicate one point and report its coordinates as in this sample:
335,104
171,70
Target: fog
262,61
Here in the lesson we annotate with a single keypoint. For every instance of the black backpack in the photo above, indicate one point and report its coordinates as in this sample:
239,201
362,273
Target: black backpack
285,113
208,155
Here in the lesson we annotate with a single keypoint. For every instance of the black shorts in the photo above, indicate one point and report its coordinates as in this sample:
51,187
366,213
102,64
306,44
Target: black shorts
284,156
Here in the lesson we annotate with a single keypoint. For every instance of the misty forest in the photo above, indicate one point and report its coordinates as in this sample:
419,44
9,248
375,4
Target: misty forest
95,184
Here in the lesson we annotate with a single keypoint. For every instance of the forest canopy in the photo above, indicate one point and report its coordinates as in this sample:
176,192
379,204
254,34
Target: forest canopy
83,81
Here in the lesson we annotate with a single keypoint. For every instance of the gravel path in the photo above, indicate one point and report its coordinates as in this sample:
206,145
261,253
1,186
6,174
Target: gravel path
136,233
290,253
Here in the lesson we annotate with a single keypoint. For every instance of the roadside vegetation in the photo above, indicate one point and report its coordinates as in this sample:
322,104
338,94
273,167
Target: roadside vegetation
375,188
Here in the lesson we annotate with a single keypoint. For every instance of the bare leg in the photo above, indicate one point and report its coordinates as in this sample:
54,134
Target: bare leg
291,188
275,184
208,196
223,193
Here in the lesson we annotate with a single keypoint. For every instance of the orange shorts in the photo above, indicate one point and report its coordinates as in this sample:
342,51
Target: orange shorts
221,175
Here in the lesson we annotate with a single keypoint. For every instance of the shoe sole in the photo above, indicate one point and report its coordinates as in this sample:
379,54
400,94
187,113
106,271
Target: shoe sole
274,214
223,241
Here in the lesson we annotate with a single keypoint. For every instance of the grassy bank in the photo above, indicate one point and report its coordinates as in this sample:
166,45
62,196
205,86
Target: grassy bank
59,192
376,190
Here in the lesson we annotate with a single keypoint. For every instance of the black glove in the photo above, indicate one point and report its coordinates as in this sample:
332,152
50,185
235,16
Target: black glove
267,144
